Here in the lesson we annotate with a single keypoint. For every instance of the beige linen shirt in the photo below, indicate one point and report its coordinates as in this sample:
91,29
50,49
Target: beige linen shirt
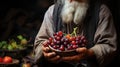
105,36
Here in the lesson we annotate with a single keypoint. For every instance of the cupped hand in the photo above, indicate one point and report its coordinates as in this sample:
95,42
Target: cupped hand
49,55
82,53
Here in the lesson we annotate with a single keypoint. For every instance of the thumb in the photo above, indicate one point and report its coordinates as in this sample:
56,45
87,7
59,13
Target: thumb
81,49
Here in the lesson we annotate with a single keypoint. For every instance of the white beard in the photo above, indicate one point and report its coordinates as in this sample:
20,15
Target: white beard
74,11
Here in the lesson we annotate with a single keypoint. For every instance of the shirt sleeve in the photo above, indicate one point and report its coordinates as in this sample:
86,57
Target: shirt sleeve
105,38
46,30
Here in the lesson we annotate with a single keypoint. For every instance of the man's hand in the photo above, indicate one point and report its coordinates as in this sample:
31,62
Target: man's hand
50,56
83,53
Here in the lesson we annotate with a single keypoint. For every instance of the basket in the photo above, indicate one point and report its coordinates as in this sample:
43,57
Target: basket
17,53
15,63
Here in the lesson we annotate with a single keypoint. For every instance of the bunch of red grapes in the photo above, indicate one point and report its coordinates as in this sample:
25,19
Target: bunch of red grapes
62,42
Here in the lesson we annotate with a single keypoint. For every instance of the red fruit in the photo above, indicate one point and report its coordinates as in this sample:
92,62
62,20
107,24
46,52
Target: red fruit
55,41
58,42
7,59
1,59
79,37
84,41
60,33
62,48
74,46
62,40
69,47
66,40
77,42
72,38
65,43
73,43
48,42
54,34
45,45
83,37
55,46
58,38
52,44
55,37
50,39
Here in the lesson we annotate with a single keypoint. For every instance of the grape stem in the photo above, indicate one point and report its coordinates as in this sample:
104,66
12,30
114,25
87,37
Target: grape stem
74,31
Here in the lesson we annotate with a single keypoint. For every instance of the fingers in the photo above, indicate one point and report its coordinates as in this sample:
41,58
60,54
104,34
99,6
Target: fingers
76,58
55,59
71,58
81,50
45,49
49,55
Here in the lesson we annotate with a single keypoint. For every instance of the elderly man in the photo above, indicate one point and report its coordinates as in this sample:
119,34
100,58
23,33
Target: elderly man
93,20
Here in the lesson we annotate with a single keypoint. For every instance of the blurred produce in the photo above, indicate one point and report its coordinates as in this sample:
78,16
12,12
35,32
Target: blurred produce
13,44
7,59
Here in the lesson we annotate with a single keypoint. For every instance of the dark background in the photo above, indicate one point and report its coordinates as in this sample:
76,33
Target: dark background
25,16
21,17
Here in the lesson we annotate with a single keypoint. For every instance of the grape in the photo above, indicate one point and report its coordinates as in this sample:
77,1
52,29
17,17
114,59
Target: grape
62,48
52,44
55,47
73,43
66,42
58,42
58,38
50,39
45,44
69,47
77,42
60,33
48,42
74,46
54,34
62,40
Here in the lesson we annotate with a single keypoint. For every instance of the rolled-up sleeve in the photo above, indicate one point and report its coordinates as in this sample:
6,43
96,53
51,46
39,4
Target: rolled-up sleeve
46,30
105,38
